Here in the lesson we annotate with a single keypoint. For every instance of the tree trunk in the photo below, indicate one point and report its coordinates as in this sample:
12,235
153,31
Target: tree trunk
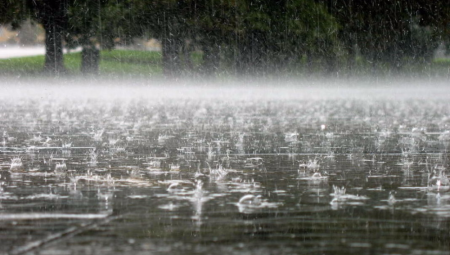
171,57
54,62
330,64
211,58
351,59
171,47
309,62
52,14
90,57
244,55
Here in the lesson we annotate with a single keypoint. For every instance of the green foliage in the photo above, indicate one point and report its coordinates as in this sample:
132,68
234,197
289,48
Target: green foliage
311,27
390,32
99,23
13,12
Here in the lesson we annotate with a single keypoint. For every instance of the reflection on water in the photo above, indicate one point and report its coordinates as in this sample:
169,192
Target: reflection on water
215,176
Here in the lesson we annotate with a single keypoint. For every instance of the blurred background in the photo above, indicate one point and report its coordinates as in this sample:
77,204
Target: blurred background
226,38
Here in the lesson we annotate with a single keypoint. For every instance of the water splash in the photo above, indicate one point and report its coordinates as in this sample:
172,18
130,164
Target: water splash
16,164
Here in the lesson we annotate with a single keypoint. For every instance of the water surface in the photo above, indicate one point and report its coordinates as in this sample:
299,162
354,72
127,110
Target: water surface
233,170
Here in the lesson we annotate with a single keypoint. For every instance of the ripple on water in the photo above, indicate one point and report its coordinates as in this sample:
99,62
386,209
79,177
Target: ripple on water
227,177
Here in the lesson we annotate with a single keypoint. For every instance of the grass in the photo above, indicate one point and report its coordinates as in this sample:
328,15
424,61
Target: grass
134,63
130,63
118,62
132,56
18,66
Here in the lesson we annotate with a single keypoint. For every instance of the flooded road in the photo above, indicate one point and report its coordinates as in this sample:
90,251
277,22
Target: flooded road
201,175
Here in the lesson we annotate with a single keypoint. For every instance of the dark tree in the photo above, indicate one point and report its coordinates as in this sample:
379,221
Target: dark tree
389,33
52,14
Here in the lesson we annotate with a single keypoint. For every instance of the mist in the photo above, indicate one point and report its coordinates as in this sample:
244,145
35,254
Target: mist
204,89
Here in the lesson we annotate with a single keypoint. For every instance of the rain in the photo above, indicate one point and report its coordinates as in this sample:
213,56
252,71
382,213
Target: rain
224,127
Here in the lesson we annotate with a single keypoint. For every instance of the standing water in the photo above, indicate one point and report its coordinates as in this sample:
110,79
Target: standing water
257,170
